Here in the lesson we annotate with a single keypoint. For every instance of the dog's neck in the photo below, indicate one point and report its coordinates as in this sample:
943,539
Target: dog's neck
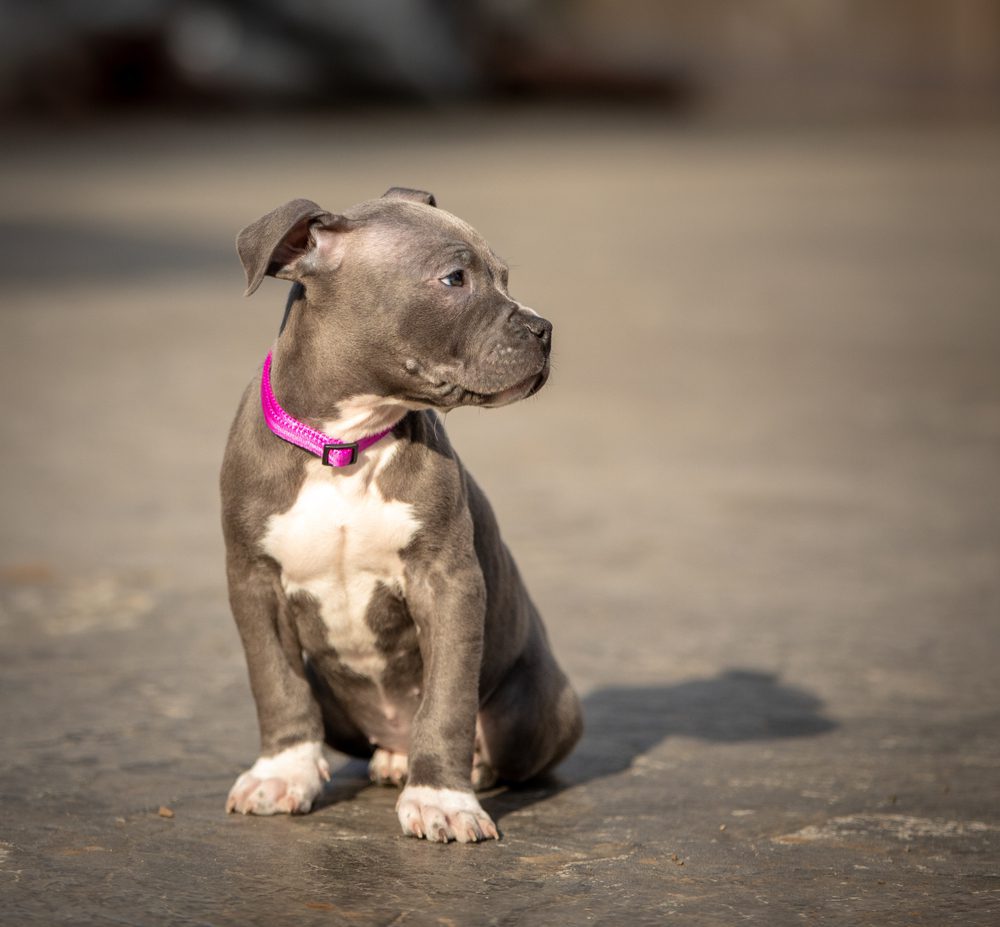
324,387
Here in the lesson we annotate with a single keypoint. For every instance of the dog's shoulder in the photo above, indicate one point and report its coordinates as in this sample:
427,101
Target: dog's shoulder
260,474
427,472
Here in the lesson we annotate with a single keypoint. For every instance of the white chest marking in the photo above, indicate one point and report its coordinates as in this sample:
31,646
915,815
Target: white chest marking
337,542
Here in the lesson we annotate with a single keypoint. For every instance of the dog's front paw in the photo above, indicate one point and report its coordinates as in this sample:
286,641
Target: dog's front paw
443,815
286,783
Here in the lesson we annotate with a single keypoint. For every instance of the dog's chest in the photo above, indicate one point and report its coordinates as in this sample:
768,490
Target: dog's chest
338,542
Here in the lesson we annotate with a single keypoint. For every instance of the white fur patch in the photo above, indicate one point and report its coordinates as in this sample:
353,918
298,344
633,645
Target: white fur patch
366,414
451,801
304,760
337,542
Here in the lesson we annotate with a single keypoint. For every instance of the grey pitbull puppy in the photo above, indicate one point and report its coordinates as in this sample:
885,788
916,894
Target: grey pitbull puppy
380,612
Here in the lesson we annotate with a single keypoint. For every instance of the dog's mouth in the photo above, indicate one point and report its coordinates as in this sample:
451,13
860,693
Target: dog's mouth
520,390
449,395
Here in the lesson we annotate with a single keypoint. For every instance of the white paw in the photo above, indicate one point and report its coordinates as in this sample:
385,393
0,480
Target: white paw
443,815
388,768
285,783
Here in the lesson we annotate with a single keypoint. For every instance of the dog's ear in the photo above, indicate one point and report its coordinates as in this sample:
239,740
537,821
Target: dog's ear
277,243
406,193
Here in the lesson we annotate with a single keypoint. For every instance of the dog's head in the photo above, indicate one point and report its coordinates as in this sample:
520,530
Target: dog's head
417,295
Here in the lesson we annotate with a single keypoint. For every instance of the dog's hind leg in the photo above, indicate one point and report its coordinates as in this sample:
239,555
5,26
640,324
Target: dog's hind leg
529,723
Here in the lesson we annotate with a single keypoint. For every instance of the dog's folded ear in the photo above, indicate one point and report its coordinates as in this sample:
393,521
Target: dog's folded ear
289,242
406,193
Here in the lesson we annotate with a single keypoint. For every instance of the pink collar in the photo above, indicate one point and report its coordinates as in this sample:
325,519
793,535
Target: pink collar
331,451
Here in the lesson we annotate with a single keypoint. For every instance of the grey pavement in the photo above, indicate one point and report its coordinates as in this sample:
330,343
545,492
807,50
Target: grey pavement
758,505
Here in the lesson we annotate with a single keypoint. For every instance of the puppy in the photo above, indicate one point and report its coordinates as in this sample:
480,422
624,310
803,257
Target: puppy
379,610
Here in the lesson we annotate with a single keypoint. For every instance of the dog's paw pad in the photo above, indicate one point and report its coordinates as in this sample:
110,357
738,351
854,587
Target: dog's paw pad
443,815
388,768
286,783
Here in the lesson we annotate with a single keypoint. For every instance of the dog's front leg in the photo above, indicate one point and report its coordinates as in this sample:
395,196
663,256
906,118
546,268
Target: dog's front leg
291,770
448,605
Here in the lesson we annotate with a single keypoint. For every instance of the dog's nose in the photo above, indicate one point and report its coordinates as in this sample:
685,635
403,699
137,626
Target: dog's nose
530,324
539,327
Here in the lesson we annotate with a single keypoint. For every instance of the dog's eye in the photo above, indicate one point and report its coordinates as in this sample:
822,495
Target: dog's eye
455,278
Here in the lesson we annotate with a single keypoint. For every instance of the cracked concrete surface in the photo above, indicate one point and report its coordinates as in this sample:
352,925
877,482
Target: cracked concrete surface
758,505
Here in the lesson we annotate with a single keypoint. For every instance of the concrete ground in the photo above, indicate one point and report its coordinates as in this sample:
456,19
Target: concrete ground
758,504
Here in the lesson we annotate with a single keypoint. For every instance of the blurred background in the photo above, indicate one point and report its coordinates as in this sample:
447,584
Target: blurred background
67,59
758,502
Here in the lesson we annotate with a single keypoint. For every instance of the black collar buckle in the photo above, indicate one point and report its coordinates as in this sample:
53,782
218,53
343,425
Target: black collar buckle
330,448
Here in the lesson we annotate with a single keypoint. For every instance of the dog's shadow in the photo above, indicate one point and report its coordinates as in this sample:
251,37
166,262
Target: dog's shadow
626,722
623,723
